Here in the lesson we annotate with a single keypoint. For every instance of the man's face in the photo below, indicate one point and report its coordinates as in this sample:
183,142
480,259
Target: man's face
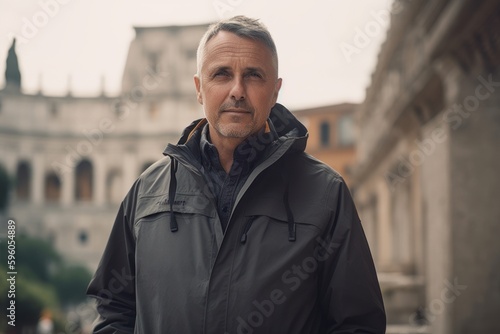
237,85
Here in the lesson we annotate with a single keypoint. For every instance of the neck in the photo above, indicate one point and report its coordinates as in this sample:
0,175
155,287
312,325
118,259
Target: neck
225,147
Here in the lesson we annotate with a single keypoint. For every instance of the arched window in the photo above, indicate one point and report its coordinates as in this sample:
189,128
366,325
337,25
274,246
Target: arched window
345,131
52,187
324,132
84,175
23,181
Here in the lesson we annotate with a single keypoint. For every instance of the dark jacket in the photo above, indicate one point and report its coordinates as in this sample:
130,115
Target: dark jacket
294,258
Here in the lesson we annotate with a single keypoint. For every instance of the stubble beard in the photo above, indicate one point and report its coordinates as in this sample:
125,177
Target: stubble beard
235,129
238,126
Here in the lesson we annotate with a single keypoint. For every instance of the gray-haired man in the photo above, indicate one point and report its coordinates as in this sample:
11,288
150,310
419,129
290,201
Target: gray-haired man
236,229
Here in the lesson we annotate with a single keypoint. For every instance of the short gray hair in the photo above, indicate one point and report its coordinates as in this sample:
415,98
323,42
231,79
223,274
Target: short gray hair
241,26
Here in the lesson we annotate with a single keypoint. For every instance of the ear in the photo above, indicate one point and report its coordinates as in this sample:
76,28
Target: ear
197,84
277,88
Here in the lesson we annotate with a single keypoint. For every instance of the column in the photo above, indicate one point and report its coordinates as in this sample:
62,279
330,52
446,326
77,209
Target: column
99,180
37,180
130,170
68,186
384,232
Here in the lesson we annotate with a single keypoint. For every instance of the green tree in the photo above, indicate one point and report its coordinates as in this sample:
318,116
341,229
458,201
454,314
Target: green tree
5,184
71,283
43,282
36,258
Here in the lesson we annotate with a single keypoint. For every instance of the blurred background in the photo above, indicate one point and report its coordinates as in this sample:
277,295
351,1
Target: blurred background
401,97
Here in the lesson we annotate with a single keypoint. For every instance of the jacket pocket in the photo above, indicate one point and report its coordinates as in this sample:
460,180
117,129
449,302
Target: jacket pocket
282,214
186,208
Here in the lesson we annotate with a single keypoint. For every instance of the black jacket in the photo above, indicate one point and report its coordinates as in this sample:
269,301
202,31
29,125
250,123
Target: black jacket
294,258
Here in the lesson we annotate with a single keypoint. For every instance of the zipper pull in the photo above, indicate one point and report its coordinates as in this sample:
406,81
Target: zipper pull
244,236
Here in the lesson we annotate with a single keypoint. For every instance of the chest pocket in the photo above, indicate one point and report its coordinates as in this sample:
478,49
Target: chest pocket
276,217
150,208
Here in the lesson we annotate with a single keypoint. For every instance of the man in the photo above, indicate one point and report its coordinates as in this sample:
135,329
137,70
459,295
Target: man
236,229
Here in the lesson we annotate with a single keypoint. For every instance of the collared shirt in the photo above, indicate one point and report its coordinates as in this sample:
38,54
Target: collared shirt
226,186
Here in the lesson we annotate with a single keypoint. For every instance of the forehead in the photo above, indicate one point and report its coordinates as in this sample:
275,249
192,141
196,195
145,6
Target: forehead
226,47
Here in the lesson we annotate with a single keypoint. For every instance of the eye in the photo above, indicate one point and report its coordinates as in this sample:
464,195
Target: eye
254,75
220,73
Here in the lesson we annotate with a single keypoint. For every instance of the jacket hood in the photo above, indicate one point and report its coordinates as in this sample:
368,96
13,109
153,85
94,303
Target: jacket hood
286,125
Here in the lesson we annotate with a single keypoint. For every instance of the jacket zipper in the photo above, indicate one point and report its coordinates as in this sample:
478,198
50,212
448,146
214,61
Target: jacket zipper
248,224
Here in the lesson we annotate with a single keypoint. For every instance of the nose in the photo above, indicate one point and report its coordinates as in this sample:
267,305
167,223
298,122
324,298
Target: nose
238,90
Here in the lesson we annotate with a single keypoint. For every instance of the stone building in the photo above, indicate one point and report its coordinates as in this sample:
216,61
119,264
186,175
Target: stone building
427,184
331,135
74,158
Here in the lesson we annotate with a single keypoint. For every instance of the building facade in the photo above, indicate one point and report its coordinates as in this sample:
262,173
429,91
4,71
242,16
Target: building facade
73,159
427,181
331,135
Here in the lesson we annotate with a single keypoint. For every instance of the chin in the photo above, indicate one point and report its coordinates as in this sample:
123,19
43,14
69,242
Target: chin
234,131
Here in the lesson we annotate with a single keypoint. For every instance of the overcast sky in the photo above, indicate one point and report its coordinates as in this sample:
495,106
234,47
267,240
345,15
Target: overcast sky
327,48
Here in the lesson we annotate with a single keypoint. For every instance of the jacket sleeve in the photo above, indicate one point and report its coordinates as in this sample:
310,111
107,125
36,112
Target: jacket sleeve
351,297
113,284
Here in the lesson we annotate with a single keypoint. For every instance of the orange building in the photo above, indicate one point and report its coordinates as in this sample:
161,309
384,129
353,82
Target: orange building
331,135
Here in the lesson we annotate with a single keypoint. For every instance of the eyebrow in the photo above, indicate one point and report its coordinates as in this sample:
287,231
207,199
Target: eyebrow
227,68
219,68
254,69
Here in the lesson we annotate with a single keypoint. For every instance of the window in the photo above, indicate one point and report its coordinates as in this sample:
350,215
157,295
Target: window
52,187
325,134
345,130
83,237
83,188
23,181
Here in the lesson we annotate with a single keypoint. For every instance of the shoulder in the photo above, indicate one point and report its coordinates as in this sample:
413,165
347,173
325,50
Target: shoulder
147,190
155,177
158,167
315,179
151,181
303,165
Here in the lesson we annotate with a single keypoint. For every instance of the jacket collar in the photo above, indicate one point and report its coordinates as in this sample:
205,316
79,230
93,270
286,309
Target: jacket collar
281,121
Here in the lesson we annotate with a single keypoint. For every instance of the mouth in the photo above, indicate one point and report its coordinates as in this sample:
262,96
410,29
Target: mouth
236,110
